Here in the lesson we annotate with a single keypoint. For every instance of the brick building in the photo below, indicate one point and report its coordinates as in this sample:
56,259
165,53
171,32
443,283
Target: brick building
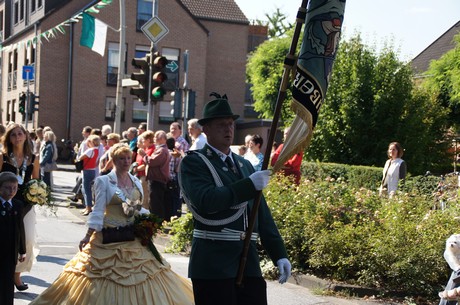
77,87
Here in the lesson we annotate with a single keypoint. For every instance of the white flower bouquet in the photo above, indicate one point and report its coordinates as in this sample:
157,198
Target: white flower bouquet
36,192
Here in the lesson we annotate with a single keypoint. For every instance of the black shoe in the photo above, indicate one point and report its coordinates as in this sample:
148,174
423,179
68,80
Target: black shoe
73,198
22,287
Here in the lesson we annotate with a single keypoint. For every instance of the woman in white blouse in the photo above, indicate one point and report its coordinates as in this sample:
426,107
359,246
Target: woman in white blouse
395,169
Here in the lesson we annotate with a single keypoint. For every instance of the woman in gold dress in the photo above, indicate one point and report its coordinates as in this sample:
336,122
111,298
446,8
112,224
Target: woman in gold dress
119,272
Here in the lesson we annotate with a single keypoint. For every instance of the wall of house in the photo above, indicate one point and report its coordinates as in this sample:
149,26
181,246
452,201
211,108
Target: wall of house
226,68
217,63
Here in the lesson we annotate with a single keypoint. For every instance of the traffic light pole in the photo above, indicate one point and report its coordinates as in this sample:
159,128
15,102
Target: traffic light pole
151,104
186,93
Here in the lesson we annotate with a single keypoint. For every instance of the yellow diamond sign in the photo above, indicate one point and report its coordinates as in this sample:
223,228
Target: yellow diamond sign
154,29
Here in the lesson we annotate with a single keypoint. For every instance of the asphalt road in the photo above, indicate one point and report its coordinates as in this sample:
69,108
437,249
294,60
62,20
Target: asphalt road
59,235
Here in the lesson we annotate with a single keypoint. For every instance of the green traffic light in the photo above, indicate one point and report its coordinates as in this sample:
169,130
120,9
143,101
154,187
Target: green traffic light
158,93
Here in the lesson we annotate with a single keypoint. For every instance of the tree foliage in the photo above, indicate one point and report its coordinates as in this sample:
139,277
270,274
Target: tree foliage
277,24
264,71
371,101
443,80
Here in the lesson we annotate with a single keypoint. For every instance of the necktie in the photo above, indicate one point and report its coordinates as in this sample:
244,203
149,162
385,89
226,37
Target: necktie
231,165
7,205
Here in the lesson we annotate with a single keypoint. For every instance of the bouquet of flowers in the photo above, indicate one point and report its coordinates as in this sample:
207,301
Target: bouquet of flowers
36,192
146,226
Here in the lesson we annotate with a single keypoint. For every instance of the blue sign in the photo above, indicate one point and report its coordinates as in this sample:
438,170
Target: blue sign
172,66
28,72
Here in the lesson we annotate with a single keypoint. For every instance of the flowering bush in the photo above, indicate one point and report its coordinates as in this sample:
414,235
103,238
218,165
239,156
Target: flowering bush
344,233
146,226
342,230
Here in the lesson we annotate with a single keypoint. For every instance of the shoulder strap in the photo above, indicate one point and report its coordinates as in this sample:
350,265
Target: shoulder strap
211,222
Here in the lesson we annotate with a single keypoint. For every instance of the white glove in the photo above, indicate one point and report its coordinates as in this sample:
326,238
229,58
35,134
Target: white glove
260,179
284,267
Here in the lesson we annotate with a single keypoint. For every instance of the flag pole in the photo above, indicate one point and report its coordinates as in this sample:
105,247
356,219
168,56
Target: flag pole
289,63
121,70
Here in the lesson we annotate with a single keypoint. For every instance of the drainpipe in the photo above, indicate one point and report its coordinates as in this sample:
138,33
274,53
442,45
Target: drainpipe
69,83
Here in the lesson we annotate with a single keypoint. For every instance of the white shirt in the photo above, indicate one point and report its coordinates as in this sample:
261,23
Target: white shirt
199,142
392,174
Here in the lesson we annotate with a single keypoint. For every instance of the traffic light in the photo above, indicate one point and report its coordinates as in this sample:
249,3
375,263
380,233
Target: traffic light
22,103
158,76
32,103
142,77
176,104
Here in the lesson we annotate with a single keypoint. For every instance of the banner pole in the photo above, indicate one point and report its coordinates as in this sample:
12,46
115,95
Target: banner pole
289,63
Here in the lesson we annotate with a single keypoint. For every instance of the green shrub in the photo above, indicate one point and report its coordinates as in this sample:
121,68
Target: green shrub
350,234
335,228
356,176
181,234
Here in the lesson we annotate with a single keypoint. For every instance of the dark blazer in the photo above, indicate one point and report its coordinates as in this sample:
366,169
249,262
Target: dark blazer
215,259
12,221
13,243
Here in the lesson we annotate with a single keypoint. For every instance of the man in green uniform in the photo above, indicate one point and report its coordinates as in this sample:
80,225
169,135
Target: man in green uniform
219,188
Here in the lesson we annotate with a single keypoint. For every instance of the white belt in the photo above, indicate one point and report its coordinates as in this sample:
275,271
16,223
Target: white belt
225,234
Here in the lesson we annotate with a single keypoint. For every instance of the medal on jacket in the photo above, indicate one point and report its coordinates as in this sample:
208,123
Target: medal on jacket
20,170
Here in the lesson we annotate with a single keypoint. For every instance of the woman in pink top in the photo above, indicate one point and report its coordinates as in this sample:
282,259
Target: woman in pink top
146,142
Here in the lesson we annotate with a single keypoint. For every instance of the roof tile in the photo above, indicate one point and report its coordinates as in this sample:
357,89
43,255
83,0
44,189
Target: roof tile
222,10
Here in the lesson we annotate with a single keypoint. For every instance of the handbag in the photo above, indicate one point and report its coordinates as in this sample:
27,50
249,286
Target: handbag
79,165
118,234
171,185
50,167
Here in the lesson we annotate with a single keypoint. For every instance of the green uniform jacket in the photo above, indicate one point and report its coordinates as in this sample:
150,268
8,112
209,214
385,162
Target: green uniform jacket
216,259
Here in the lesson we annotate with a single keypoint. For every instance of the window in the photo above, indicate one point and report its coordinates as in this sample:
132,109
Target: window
15,68
8,111
171,84
21,10
140,111
16,12
141,51
172,55
110,106
165,115
10,71
112,64
39,3
33,5
29,58
144,12
1,26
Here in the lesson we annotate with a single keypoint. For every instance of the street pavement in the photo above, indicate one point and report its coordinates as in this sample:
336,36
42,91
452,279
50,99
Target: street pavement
59,235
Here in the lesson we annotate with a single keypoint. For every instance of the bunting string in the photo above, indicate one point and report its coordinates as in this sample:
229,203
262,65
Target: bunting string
58,29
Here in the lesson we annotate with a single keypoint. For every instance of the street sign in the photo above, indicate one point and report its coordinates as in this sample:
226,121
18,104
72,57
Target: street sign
27,72
155,29
127,82
172,66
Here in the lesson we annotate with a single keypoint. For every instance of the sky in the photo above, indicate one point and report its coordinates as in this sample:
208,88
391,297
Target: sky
411,25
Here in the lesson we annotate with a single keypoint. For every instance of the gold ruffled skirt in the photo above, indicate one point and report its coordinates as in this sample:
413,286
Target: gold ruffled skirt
118,273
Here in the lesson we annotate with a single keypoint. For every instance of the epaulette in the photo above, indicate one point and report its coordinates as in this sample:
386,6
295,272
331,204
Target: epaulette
189,152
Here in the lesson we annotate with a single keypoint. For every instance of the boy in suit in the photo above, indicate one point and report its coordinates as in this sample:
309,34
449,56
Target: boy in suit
12,230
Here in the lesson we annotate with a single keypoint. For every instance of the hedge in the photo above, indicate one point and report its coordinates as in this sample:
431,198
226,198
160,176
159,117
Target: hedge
337,229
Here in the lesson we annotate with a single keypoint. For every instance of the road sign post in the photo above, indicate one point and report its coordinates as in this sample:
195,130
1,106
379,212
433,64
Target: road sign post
27,75
154,29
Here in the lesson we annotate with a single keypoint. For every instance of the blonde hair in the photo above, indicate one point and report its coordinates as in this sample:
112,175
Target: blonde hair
52,138
120,149
113,136
95,139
